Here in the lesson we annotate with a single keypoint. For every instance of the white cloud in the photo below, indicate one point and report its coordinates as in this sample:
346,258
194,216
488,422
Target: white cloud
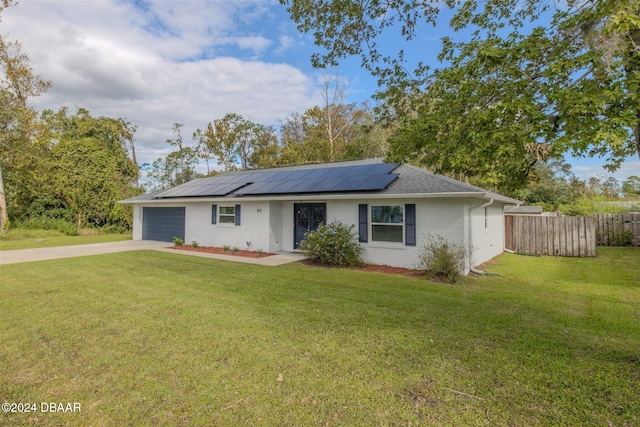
157,62
585,171
257,43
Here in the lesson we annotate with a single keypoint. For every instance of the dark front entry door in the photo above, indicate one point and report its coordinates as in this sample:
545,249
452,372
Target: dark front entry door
307,216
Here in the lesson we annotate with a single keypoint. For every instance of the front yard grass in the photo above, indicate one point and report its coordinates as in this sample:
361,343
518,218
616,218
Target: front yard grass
30,239
149,338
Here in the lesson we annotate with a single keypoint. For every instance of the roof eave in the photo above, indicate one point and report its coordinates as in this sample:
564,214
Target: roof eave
331,196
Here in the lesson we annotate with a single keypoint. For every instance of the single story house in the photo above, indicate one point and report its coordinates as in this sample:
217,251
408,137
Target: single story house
395,209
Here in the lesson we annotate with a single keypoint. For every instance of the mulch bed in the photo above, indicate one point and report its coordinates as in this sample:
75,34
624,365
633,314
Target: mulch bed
220,251
386,269
375,269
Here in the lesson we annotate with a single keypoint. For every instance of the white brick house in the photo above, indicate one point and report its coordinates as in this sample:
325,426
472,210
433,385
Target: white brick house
394,208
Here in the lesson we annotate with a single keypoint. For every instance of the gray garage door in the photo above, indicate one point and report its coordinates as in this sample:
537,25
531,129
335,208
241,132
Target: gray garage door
162,224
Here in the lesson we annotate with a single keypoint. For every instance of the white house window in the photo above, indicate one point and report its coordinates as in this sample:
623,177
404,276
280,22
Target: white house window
387,224
227,215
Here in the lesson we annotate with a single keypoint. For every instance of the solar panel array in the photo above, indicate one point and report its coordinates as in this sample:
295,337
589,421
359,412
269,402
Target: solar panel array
314,180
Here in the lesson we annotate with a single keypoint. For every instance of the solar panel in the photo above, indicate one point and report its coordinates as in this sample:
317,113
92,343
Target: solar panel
313,180
306,186
318,173
377,182
351,182
358,170
381,169
254,186
199,191
326,184
300,174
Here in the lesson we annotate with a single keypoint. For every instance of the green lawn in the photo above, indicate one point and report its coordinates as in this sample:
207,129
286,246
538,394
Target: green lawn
29,239
149,338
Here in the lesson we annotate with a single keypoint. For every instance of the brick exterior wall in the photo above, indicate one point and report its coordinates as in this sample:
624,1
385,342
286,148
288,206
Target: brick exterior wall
444,217
269,226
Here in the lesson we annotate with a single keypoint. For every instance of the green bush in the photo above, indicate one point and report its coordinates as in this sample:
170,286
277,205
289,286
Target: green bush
114,229
46,223
178,241
441,258
620,237
333,244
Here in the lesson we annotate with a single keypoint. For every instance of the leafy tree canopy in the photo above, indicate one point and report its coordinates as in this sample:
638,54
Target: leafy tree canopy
178,167
536,79
234,140
87,167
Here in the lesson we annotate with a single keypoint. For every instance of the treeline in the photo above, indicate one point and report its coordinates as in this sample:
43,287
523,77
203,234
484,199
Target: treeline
68,171
333,132
71,169
59,170
554,186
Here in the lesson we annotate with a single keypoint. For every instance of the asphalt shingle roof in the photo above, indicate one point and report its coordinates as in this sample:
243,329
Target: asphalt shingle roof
411,181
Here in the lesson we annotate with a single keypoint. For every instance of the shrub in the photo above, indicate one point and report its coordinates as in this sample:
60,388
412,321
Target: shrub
115,228
178,241
194,244
46,223
620,237
333,244
441,258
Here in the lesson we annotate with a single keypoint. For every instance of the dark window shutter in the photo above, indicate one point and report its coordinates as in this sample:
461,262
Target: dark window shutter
214,214
410,225
363,226
237,214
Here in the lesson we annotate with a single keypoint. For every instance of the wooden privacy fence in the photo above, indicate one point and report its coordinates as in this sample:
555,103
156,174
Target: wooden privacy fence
545,235
618,229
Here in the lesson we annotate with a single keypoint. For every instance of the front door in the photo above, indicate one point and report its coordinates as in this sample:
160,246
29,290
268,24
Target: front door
307,216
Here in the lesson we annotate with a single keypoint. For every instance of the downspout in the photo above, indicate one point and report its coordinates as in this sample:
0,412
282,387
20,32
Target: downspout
474,270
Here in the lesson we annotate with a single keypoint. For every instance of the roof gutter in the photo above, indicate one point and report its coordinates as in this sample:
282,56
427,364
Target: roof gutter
325,196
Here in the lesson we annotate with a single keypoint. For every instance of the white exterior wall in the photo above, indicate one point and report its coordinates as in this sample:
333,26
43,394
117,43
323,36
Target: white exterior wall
486,241
254,224
254,220
269,225
275,227
444,217
137,222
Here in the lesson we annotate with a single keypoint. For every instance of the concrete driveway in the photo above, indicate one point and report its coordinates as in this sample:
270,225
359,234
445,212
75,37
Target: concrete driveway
41,254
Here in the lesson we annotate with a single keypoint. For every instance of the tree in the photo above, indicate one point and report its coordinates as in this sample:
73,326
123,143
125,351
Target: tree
631,186
17,83
234,141
533,82
266,150
552,184
335,131
177,168
89,169
608,187
611,188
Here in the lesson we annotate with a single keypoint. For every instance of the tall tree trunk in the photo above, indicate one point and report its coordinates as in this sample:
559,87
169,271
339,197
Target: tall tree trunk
4,219
637,132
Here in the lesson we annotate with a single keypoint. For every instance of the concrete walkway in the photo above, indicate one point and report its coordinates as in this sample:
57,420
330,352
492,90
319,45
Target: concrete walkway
41,254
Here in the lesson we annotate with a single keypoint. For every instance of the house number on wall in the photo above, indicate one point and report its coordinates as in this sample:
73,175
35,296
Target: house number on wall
259,210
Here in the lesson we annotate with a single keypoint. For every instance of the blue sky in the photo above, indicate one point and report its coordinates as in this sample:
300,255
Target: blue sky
158,62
